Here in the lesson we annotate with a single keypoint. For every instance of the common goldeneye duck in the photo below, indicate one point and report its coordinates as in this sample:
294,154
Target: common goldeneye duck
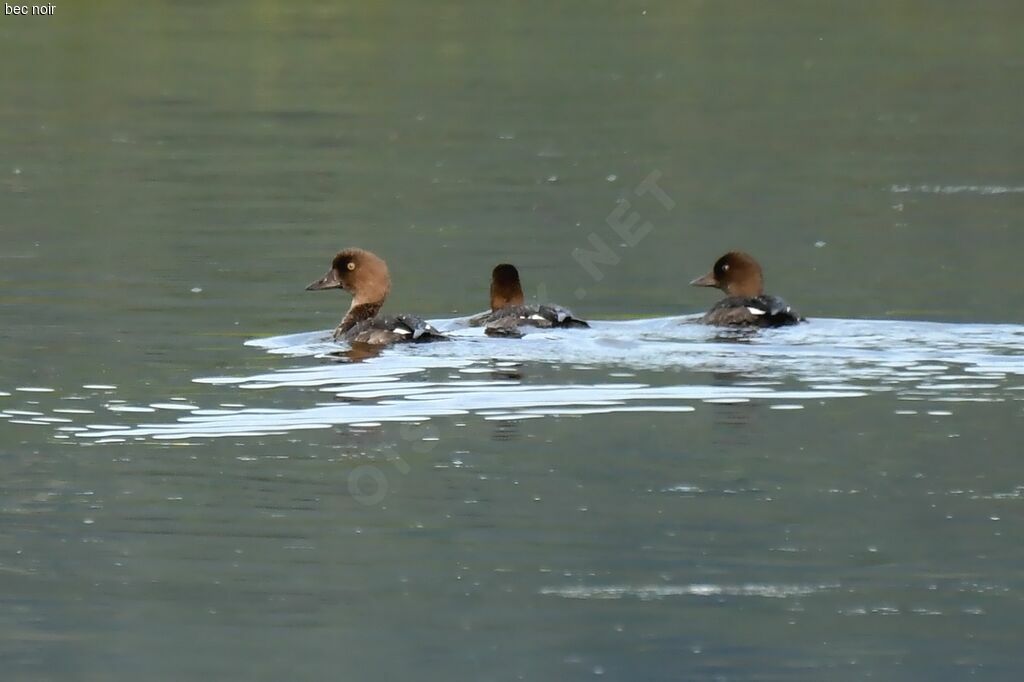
745,304
509,311
365,275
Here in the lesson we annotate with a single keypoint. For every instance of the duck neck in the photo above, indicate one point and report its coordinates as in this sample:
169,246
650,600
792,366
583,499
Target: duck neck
357,313
506,296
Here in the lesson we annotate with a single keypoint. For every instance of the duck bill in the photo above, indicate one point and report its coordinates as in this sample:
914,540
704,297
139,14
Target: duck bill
707,280
328,281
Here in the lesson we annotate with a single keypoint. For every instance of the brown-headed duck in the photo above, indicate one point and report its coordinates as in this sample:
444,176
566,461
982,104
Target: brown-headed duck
365,275
509,311
745,305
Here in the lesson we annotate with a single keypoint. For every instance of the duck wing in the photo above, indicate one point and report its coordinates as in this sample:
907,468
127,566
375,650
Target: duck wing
387,329
544,316
757,311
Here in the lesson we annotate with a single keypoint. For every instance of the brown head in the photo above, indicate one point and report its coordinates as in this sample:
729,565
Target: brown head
735,273
361,273
505,287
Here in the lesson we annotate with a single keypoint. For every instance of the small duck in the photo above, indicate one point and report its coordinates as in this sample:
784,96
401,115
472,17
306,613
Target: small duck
745,305
365,275
509,311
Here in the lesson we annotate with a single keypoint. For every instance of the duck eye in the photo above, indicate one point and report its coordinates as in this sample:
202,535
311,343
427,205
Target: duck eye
351,265
725,267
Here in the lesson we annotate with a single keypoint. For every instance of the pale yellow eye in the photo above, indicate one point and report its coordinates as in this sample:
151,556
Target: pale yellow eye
351,265
724,267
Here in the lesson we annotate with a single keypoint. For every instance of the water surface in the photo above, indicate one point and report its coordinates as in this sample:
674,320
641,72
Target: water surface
195,484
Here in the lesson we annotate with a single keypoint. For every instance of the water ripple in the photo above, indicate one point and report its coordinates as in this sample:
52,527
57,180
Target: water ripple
653,592
654,365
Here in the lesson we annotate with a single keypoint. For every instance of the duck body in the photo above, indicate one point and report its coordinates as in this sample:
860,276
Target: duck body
365,275
745,304
509,311
746,311
387,329
507,321
384,330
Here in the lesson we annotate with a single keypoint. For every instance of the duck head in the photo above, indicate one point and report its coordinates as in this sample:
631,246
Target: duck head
506,290
359,272
736,273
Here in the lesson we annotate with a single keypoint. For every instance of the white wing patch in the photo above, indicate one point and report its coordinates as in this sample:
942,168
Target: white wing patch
755,311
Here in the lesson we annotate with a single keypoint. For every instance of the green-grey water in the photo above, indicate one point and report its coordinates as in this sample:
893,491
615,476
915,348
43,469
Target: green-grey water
644,500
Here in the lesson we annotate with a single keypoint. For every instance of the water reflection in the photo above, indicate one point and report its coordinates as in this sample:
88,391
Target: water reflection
357,353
